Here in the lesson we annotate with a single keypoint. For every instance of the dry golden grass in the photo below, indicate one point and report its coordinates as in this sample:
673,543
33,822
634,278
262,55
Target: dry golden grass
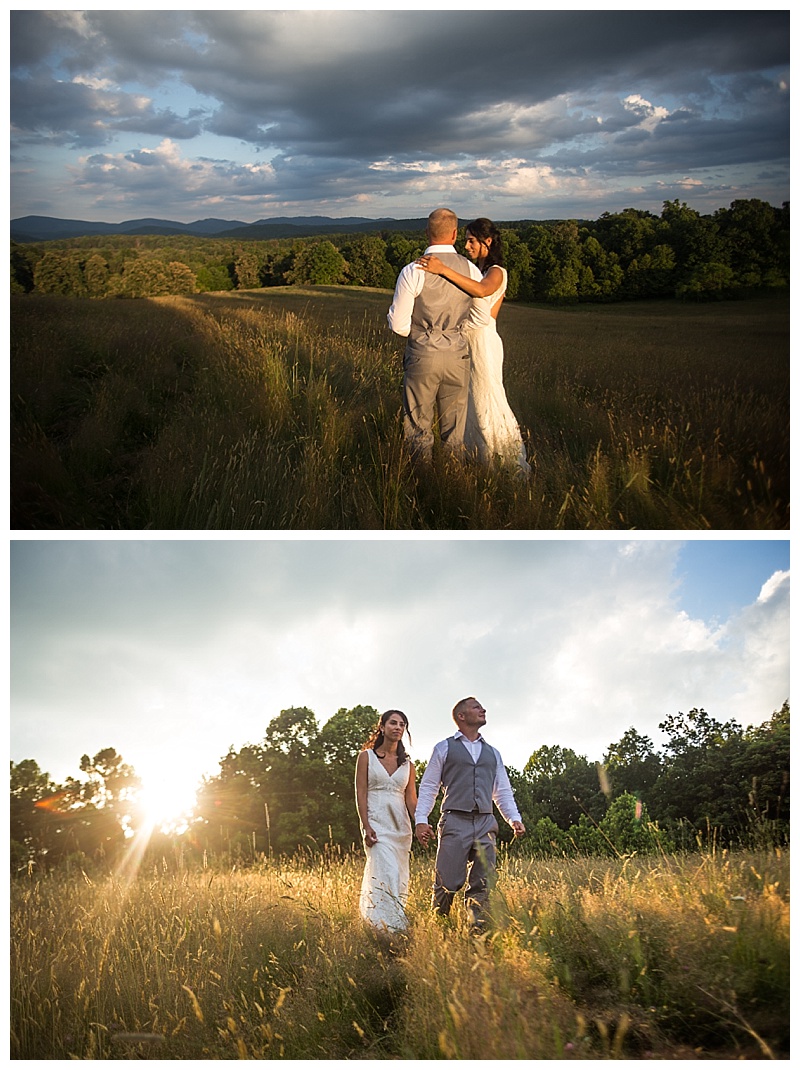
635,958
280,409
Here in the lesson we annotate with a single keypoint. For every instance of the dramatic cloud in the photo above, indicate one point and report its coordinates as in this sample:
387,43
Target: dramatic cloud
547,113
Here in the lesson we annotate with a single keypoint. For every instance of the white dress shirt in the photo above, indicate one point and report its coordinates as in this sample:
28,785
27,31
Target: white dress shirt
409,286
502,792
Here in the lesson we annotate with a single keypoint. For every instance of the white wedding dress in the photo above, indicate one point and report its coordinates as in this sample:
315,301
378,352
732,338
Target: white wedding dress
384,888
491,431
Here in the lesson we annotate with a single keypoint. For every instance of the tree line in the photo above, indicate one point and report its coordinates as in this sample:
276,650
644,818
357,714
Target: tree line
626,255
293,790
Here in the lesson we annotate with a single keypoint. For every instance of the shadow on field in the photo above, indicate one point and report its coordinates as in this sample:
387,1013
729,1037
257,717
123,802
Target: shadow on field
280,409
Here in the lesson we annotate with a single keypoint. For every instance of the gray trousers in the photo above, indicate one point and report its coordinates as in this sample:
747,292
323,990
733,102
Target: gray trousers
434,384
467,849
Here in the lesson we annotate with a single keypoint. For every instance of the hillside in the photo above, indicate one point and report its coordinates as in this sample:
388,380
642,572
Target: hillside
35,228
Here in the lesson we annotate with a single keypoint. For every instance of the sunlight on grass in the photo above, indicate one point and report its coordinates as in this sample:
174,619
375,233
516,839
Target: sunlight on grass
280,409
630,958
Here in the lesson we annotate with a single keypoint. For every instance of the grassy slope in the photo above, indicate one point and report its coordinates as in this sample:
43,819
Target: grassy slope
280,409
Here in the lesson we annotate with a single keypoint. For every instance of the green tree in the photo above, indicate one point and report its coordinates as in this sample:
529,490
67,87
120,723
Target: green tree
651,274
212,278
762,769
632,764
697,783
693,238
30,788
247,270
96,274
317,263
629,234
366,262
751,234
628,829
564,785
57,273
707,280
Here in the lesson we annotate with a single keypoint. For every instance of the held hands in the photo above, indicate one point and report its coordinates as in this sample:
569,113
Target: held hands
431,263
424,834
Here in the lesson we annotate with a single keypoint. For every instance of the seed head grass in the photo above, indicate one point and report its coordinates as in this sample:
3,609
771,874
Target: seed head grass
280,409
586,958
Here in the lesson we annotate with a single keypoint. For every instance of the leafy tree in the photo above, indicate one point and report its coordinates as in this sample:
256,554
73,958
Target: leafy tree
57,273
693,238
697,782
707,280
317,263
632,764
762,769
213,278
544,838
23,262
628,828
750,232
564,785
629,234
96,274
366,262
247,270
518,264
651,274
29,787
603,275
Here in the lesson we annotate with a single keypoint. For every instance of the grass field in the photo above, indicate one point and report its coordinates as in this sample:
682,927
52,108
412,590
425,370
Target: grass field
280,409
679,957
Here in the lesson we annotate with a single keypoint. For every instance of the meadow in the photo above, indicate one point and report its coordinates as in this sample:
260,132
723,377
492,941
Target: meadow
679,957
280,409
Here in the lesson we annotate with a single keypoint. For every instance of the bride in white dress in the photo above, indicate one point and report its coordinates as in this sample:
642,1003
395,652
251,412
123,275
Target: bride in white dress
386,798
492,432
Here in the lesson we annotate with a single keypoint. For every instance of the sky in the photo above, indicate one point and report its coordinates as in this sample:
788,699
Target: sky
246,115
173,651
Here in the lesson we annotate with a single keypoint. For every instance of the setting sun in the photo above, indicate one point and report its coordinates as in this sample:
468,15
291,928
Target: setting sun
166,805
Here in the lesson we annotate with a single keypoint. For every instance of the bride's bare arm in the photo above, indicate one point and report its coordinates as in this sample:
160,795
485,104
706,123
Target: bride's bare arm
475,288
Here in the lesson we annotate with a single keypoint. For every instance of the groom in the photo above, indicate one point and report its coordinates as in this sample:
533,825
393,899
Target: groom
430,312
473,776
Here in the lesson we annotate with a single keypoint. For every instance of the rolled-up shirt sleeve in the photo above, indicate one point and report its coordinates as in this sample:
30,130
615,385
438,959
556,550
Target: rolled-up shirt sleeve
409,284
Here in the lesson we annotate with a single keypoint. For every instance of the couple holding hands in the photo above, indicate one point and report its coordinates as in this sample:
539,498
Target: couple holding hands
473,776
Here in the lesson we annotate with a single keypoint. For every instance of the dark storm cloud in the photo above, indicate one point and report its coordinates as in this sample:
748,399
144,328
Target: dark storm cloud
345,101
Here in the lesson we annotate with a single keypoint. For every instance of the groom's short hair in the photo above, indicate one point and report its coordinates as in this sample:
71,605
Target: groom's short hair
459,706
441,223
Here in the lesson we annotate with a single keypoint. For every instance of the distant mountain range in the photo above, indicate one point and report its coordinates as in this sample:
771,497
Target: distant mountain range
34,228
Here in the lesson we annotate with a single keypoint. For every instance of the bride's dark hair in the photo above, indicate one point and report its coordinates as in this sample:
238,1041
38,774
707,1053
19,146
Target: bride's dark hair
482,229
376,740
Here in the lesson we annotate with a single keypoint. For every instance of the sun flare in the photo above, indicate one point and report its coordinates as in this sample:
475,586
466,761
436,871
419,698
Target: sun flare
165,805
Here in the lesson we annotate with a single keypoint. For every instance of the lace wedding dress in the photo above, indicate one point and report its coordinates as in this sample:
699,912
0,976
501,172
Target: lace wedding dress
492,431
384,888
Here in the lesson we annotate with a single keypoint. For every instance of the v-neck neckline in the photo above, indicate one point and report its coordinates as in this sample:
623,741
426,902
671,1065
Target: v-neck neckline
383,767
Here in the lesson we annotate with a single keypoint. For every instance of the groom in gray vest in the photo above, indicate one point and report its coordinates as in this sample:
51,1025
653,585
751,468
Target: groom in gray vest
431,313
473,776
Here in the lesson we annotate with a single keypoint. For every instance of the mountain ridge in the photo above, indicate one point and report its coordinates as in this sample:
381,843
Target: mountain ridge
35,228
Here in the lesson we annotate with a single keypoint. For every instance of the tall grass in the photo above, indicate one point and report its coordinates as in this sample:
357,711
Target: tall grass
632,958
280,409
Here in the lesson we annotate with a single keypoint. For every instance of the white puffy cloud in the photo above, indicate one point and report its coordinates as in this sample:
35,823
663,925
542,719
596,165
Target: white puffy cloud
189,647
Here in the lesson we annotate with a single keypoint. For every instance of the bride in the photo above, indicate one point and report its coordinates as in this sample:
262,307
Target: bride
386,798
492,430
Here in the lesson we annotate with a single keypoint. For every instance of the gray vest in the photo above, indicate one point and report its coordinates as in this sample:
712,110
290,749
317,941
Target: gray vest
440,312
468,785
